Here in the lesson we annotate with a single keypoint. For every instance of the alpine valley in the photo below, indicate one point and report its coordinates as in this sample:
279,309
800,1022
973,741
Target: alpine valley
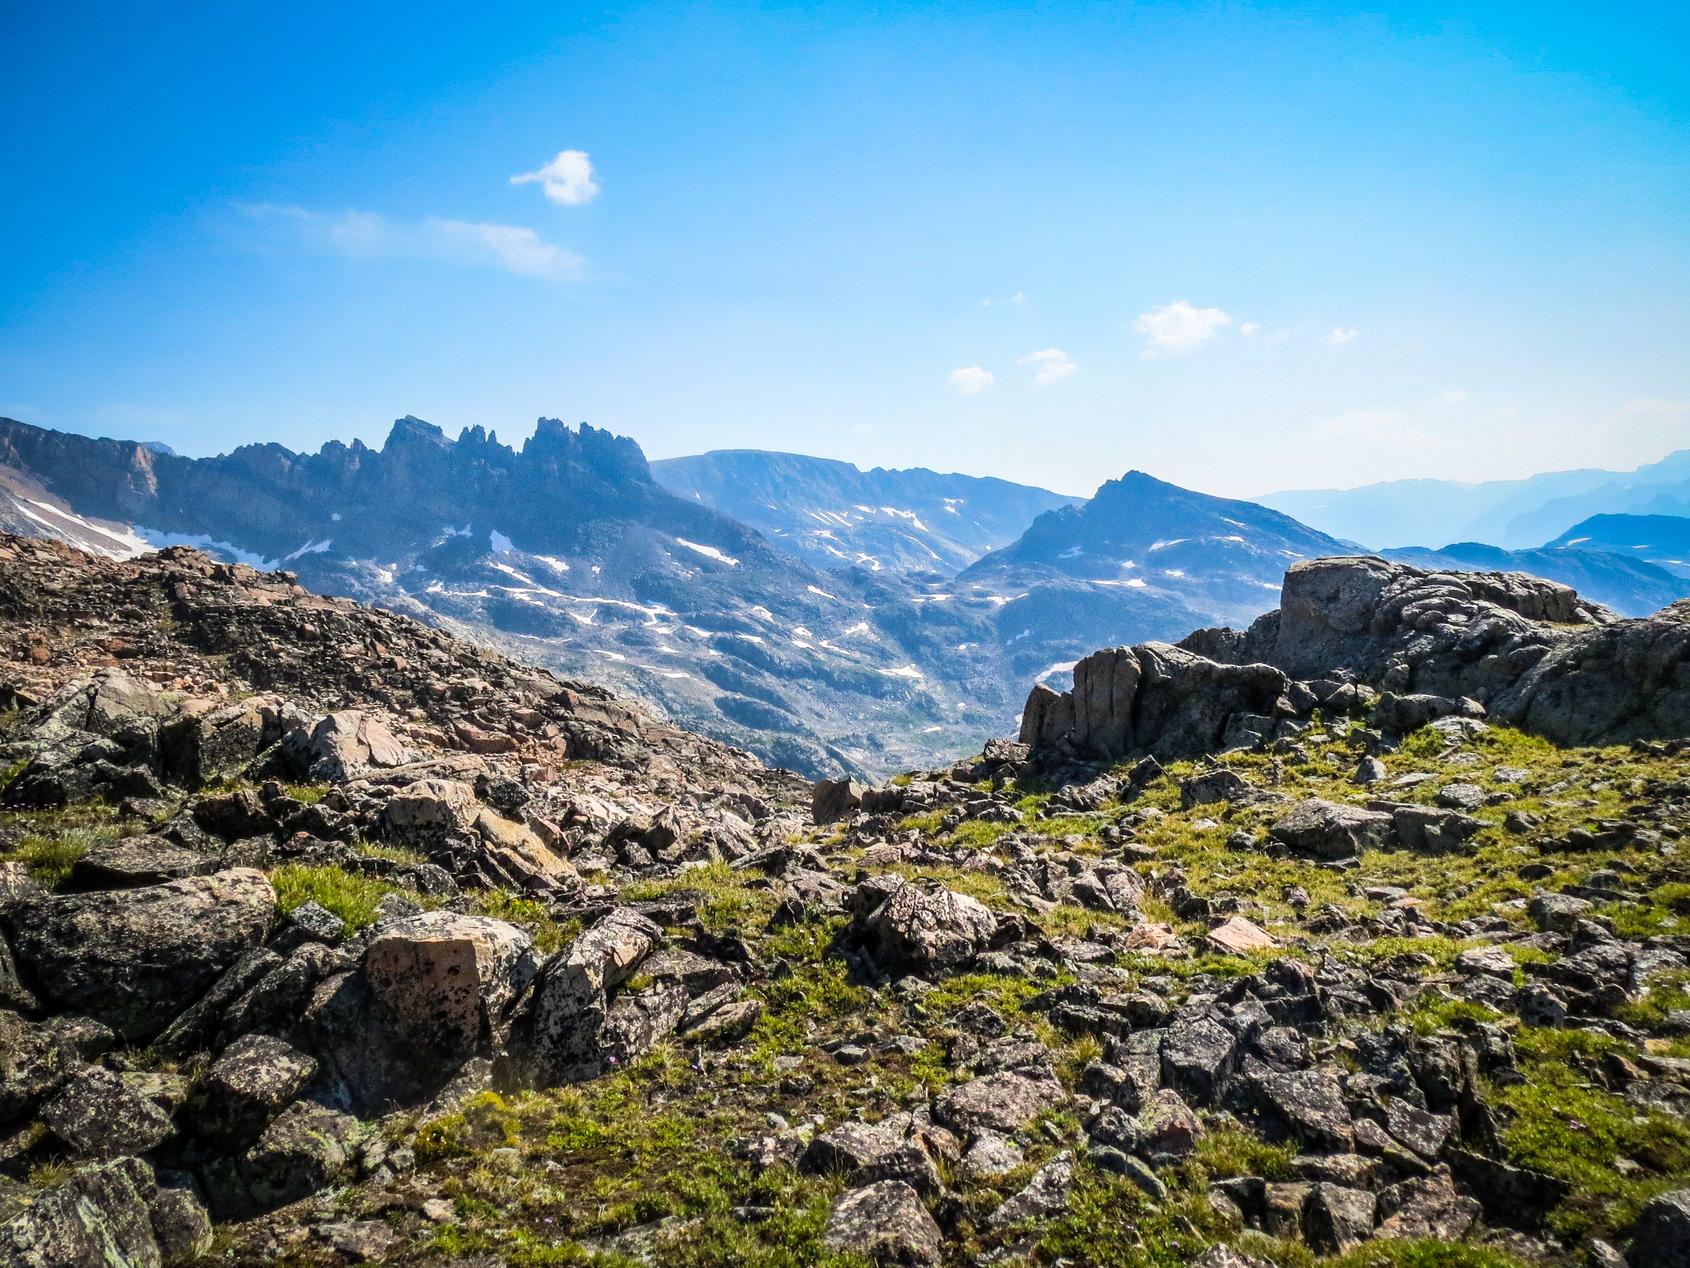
830,620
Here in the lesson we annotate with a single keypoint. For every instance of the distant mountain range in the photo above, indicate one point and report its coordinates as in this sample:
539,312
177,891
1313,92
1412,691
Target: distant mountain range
1661,540
827,618
837,516
1513,514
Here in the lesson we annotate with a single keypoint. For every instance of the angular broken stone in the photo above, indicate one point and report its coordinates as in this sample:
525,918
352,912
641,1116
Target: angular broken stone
444,979
97,1115
1002,1102
251,1081
884,1222
1239,936
924,930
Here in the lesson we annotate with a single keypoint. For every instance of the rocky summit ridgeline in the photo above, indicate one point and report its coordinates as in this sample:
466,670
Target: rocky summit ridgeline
328,938
1396,643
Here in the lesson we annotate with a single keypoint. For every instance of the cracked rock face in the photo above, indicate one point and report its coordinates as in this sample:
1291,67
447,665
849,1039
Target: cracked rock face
926,930
131,958
1516,648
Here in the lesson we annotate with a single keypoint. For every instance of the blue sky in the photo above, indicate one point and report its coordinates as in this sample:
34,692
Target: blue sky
1240,247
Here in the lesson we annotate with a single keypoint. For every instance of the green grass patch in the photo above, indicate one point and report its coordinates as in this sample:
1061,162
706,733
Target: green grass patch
349,895
1561,1122
50,856
726,898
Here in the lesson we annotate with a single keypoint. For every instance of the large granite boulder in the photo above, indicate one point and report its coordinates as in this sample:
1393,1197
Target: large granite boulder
135,958
1153,699
444,980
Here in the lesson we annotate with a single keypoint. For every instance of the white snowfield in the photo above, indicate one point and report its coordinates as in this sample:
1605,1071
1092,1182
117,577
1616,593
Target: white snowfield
709,552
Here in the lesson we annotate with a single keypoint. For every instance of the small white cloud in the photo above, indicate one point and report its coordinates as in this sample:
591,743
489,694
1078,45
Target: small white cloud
1053,365
567,180
1454,396
971,380
1507,411
367,235
1179,328
1020,297
1250,329
1340,335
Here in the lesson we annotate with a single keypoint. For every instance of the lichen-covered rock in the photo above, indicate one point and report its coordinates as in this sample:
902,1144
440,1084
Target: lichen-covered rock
99,1218
924,930
307,1149
886,1223
866,1152
445,979
1330,830
429,809
139,860
251,1081
136,958
95,1114
1001,1102
561,1037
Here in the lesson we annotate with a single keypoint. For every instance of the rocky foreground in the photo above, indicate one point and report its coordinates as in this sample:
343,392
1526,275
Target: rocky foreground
328,938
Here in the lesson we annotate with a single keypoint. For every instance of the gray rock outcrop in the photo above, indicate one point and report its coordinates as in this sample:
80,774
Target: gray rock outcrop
1515,648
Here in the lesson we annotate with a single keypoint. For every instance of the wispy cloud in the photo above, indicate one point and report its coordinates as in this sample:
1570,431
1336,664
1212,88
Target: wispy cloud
1250,329
1340,335
1053,365
1454,396
1179,328
367,235
567,180
971,380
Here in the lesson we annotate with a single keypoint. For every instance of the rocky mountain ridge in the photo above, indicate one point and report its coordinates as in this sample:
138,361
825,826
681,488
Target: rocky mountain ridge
836,515
566,551
326,937
1414,645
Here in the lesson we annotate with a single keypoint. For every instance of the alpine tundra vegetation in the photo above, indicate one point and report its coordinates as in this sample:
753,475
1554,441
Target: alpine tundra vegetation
331,938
